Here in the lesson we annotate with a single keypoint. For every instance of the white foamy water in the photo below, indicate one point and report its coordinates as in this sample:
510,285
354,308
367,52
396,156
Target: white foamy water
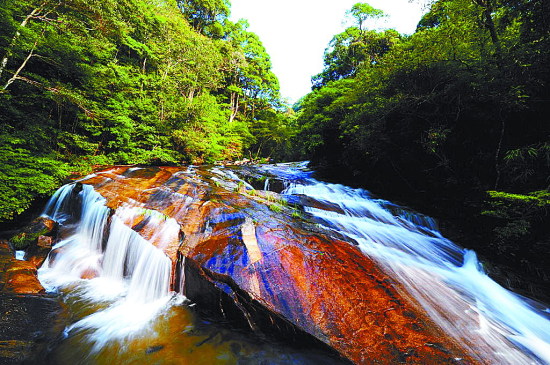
121,321
111,264
161,230
496,325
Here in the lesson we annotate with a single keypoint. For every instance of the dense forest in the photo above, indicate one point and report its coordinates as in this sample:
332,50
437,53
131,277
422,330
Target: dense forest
453,120
86,83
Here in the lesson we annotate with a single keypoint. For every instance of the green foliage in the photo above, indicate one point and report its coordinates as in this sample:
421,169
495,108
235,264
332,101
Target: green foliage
276,208
253,70
438,118
240,187
206,16
20,241
24,176
538,198
296,214
453,109
363,11
136,81
24,240
352,49
528,163
29,235
273,132
516,217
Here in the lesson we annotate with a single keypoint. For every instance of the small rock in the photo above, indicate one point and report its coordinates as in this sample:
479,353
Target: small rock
89,274
45,241
21,279
152,349
30,234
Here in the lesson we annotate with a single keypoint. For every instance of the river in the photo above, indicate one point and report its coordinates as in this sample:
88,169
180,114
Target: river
115,269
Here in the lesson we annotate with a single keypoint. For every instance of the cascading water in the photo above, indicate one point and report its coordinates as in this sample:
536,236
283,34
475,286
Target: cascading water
118,281
116,284
110,262
497,325
81,249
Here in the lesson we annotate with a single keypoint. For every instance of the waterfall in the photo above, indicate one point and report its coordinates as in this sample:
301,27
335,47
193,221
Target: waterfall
110,262
78,255
122,278
56,208
497,325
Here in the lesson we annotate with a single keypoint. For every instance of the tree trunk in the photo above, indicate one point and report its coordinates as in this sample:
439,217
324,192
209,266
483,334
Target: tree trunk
488,10
23,24
487,7
234,106
497,154
191,94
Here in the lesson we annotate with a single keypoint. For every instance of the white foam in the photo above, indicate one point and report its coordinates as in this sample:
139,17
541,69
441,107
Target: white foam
20,255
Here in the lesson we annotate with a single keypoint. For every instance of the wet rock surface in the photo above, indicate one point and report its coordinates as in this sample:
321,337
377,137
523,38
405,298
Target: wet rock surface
34,233
27,316
17,276
250,257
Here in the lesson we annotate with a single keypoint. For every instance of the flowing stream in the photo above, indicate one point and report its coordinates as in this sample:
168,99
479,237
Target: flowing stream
447,280
116,283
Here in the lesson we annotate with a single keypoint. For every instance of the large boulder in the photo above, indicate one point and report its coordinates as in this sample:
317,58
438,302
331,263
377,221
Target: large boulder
30,234
247,256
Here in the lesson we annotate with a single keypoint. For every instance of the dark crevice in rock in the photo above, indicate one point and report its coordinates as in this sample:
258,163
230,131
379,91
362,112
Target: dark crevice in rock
220,298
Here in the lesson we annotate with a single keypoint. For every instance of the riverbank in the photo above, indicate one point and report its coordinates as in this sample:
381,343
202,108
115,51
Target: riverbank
28,316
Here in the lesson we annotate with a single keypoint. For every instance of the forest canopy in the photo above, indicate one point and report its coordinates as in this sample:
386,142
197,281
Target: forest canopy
128,82
462,103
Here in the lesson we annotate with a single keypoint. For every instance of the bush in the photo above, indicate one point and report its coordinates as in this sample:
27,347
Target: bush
24,177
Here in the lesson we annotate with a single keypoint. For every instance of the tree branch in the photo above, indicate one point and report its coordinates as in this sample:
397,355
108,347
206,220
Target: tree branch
23,24
23,64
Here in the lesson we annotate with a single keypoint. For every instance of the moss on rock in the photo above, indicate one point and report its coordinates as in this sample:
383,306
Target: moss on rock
28,236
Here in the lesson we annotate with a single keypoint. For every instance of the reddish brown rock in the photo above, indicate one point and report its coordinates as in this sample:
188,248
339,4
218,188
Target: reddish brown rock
37,261
17,277
269,268
89,274
327,288
45,241
21,278
28,316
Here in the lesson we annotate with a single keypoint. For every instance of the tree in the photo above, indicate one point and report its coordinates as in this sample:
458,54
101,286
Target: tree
444,115
351,49
206,16
253,85
355,47
363,11
130,81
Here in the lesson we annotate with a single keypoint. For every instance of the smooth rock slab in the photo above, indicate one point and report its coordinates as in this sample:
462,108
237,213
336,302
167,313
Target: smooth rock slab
245,255
324,287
